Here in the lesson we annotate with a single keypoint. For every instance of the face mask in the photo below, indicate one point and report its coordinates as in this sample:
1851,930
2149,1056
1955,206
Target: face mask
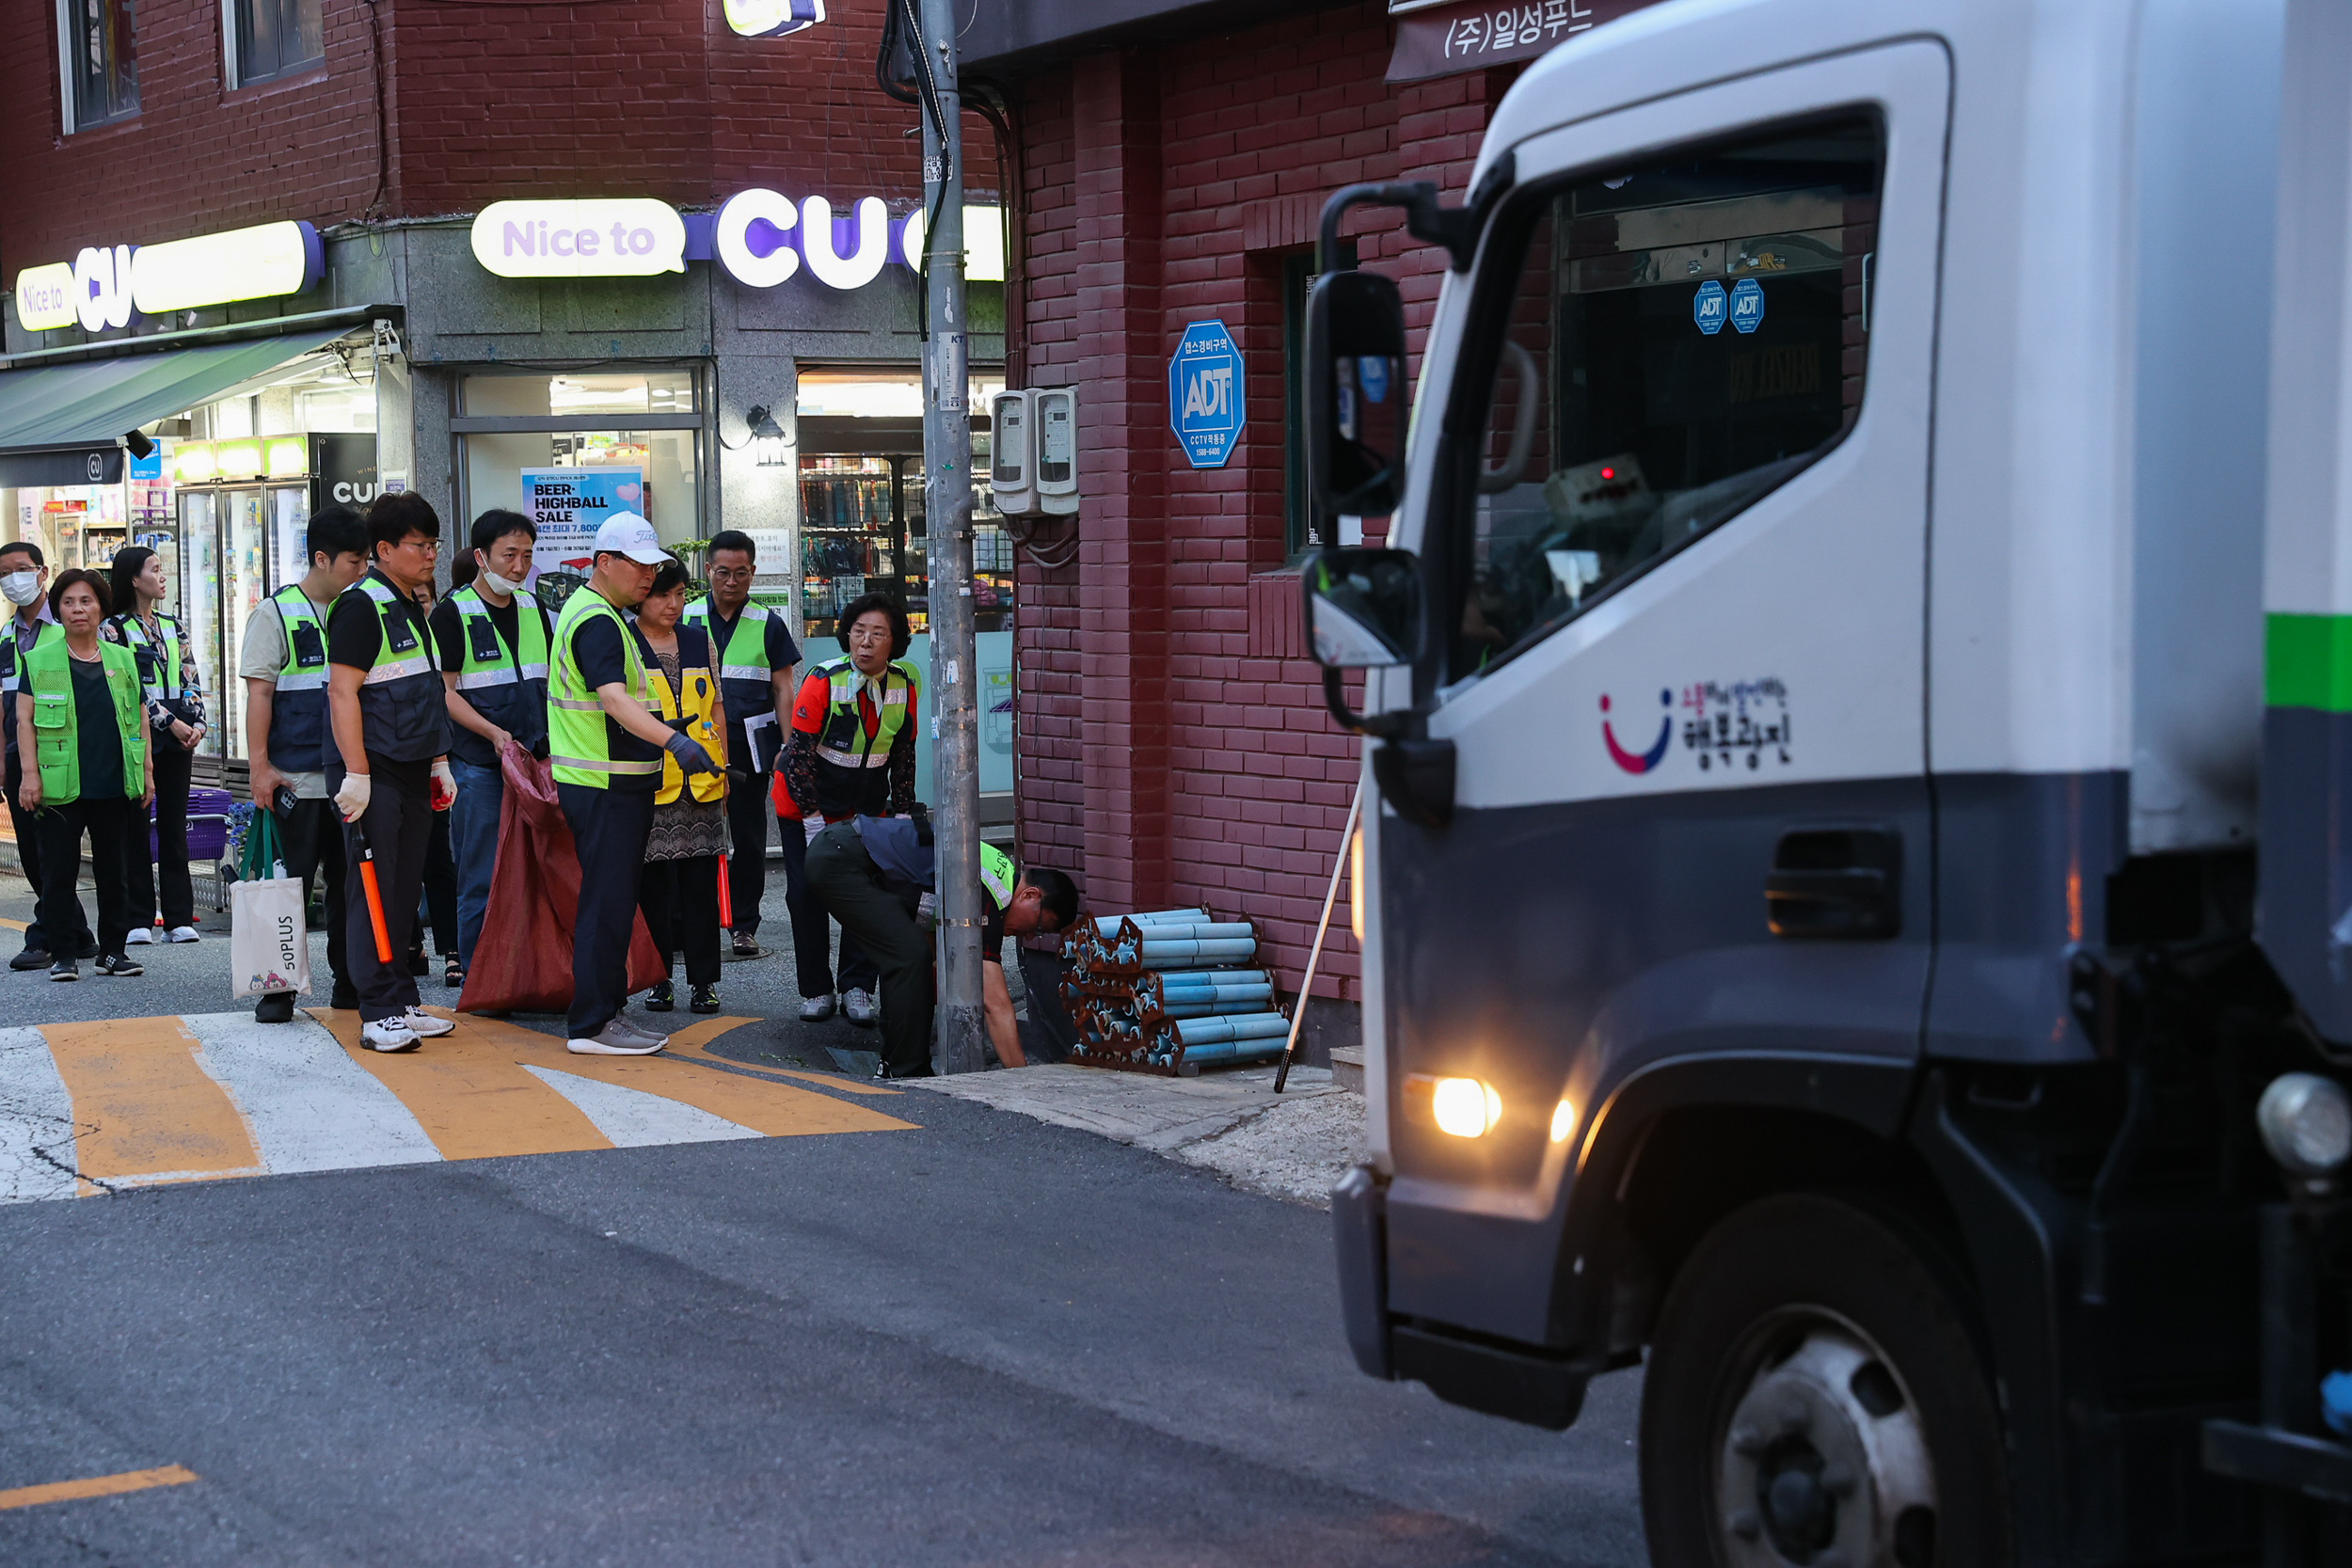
497,584
22,588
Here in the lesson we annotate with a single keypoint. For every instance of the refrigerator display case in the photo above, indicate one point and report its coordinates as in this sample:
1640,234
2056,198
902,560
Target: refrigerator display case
238,544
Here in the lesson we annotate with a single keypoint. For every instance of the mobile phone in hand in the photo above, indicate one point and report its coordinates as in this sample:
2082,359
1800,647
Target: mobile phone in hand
284,802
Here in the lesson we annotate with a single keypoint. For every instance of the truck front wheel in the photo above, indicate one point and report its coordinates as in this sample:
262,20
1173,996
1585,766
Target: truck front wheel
1814,1401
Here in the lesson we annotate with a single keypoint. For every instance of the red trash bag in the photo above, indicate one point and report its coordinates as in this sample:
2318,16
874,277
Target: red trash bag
522,962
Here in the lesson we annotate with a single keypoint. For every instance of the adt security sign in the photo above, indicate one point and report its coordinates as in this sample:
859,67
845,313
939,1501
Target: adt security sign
1205,395
1707,307
1747,305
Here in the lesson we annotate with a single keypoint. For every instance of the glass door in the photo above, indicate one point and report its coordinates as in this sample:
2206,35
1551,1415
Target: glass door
289,531
244,583
197,581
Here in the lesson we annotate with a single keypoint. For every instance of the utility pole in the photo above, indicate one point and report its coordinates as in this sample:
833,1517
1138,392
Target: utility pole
962,1020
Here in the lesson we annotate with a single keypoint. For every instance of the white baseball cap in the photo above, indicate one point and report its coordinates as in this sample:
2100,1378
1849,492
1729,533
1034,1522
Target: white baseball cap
627,534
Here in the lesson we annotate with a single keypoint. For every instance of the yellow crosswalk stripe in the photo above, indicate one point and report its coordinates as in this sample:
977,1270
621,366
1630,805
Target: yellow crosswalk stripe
97,1486
145,1111
469,1093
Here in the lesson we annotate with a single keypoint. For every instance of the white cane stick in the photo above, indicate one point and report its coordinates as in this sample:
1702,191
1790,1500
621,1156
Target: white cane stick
1307,985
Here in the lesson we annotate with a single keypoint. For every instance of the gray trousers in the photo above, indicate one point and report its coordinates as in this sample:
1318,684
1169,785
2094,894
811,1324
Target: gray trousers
846,882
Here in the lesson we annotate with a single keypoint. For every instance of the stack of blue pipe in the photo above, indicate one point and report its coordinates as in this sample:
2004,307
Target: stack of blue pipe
1168,989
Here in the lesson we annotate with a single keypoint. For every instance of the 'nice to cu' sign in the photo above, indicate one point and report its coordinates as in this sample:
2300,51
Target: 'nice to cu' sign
1207,403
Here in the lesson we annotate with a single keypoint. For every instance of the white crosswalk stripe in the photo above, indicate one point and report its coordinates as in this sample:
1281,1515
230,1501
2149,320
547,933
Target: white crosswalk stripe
310,1107
634,1120
35,1121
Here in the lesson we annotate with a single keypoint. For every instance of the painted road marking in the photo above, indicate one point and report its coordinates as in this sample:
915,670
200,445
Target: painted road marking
692,1043
89,1107
144,1111
16,924
98,1486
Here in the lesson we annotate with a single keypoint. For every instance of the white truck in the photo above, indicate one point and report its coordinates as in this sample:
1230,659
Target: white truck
1859,679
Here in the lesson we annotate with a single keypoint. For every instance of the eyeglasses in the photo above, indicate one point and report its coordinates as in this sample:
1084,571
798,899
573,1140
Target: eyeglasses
730,573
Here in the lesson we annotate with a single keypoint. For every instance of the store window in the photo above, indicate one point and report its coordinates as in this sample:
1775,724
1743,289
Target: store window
269,38
100,61
637,435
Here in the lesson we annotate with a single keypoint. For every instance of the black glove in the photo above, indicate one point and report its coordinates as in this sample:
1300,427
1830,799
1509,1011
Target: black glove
690,754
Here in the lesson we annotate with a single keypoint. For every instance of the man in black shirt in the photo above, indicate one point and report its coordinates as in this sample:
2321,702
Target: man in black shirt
388,766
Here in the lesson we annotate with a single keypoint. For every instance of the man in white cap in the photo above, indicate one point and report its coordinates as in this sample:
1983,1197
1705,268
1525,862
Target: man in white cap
605,743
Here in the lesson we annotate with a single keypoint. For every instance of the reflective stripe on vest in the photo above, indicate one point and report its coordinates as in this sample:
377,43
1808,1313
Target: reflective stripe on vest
163,646
744,674
297,715
580,743
998,874
872,750
404,708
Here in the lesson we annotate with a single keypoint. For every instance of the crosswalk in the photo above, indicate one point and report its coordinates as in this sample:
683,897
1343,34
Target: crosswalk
90,1108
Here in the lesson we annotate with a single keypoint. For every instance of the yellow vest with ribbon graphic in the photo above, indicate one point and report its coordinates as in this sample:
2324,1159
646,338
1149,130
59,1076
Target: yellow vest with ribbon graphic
705,712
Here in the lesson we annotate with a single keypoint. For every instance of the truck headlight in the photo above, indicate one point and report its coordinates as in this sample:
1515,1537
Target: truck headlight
2306,1123
1465,1107
1563,1122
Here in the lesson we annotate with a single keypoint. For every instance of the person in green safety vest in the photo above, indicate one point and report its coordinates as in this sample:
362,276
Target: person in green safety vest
25,584
175,712
82,730
606,742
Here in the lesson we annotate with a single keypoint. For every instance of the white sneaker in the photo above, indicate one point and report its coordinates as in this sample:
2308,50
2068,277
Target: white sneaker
184,933
629,1025
388,1034
817,1008
615,1040
860,1009
140,936
424,1025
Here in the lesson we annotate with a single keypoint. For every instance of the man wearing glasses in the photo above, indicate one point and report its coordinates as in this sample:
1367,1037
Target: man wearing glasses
388,768
757,660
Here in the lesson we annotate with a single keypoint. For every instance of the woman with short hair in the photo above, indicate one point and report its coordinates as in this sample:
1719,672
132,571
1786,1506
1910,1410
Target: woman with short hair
679,892
174,695
88,770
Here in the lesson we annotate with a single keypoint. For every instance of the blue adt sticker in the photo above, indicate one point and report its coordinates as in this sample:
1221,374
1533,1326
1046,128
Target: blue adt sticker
1372,373
1747,305
1707,309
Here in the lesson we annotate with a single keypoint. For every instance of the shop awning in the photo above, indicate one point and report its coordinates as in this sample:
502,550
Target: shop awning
63,424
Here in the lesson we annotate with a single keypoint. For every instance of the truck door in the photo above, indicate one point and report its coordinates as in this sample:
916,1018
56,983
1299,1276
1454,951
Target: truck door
1677,537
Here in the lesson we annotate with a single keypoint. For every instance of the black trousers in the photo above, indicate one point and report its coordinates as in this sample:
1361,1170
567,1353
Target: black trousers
681,903
851,885
609,828
399,825
61,829
812,928
747,829
314,840
28,856
167,872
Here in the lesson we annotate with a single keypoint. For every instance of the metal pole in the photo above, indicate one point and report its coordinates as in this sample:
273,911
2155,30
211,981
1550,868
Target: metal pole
1307,985
961,1022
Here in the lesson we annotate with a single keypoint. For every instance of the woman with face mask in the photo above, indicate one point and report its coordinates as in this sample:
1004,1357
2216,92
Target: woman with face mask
174,696
83,731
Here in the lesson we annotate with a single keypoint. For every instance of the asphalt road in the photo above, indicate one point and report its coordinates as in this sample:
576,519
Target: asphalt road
988,1341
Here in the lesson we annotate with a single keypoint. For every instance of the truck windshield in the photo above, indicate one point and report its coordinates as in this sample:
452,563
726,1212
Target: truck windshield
1682,337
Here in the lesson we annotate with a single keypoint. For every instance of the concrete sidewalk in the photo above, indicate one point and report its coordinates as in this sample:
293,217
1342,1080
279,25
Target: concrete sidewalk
1293,1146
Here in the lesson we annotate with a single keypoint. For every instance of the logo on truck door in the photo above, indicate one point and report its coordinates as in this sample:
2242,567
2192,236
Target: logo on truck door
1640,762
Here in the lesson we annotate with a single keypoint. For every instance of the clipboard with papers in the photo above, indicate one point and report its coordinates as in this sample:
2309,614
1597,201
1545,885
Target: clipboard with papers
763,737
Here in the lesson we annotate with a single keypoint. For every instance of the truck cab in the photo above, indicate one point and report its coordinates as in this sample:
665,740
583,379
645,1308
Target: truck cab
1854,917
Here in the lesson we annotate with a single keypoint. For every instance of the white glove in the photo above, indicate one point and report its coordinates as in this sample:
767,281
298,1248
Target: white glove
352,799
813,826
444,785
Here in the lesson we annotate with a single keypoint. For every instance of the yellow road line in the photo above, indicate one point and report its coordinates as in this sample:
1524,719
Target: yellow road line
470,1094
773,1109
144,1111
693,1043
15,925
98,1486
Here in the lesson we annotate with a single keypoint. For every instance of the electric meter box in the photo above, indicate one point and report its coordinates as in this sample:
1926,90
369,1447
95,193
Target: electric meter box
1012,468
1055,438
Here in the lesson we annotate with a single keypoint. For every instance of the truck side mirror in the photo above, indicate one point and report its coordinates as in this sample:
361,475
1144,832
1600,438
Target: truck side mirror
1363,608
1355,397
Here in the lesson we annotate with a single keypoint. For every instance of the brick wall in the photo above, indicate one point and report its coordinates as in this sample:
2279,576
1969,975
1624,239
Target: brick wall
611,97
1163,648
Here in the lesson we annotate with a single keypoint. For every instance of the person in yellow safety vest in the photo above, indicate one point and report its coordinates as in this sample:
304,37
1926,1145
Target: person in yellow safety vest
83,734
679,892
851,753
604,740
493,638
758,658
175,712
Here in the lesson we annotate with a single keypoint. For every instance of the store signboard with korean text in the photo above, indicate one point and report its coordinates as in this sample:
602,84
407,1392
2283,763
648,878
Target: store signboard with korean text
1438,38
105,285
1207,400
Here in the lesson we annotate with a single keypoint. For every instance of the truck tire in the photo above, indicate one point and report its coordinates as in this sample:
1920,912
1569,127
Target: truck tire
1814,1401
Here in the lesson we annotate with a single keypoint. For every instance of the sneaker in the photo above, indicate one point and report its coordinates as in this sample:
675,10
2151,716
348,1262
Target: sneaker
746,947
388,1035
345,997
32,957
454,974
120,964
276,1006
705,999
662,999
615,1040
858,1006
65,968
424,1025
629,1025
885,1071
140,936
183,934
817,1008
